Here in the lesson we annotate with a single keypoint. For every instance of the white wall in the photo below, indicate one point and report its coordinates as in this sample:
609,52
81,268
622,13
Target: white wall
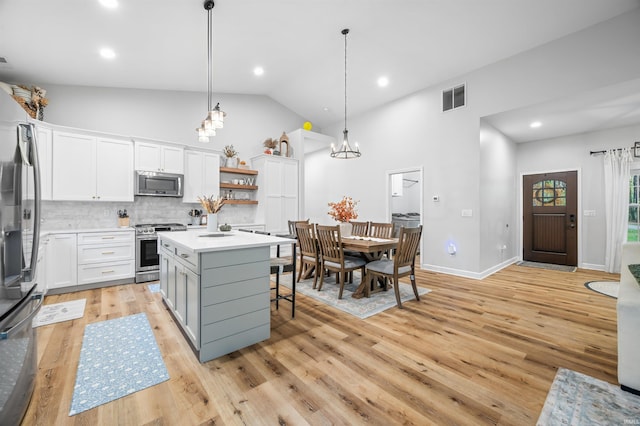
572,153
170,116
498,198
412,131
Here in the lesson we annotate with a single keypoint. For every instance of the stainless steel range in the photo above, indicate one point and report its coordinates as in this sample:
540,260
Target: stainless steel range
147,259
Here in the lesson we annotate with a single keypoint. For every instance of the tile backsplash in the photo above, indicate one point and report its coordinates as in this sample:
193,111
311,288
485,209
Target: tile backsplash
59,215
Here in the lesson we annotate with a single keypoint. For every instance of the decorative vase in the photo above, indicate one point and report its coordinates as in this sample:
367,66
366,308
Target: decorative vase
212,222
345,229
232,162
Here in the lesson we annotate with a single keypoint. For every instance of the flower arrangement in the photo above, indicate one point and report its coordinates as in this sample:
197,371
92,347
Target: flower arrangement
229,151
344,210
270,143
211,204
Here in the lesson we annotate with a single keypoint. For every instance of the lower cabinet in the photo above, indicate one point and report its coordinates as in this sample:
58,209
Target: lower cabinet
63,269
220,299
76,259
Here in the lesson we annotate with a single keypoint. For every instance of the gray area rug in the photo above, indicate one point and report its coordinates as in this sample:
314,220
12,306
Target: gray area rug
549,266
576,399
361,308
608,288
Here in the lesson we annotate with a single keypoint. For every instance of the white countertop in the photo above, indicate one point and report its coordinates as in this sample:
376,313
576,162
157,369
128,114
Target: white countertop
196,240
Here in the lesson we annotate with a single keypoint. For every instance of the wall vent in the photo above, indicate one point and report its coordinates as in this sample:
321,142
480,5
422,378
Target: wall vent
455,97
3,60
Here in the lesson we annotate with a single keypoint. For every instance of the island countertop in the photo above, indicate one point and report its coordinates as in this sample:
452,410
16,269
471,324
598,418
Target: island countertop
201,241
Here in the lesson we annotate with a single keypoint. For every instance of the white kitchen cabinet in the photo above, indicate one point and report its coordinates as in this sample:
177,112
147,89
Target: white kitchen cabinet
159,158
63,266
278,192
201,175
396,185
89,168
105,256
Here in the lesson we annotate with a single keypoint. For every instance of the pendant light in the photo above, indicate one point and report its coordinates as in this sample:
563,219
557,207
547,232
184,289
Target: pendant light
215,117
345,150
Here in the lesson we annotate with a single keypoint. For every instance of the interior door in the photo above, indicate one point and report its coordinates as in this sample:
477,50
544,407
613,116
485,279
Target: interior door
550,221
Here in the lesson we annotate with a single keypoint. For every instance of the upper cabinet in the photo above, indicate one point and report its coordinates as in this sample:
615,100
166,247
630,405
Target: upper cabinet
201,175
90,168
159,158
43,142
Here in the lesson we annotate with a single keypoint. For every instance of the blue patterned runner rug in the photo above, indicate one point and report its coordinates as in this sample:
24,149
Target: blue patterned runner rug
118,357
577,399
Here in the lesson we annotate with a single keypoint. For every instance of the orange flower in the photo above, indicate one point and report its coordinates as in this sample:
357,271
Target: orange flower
344,211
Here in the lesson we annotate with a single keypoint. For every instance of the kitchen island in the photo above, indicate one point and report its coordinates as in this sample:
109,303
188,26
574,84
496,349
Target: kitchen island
216,285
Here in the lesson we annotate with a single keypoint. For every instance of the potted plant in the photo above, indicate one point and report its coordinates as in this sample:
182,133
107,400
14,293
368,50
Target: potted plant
231,156
344,211
270,145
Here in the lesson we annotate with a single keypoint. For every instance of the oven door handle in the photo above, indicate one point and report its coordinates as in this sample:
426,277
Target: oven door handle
4,335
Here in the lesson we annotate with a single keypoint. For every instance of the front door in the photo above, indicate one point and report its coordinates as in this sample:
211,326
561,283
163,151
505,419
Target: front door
550,221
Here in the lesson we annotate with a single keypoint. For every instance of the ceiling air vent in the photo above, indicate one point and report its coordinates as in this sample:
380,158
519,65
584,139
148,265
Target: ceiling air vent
454,98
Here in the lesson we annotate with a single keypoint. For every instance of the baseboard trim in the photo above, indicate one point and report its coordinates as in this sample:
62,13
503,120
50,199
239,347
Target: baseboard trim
592,266
468,274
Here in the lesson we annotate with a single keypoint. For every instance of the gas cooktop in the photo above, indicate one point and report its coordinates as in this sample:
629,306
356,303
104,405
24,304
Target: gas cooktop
151,228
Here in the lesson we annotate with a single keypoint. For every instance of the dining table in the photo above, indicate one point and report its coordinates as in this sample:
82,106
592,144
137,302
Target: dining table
371,248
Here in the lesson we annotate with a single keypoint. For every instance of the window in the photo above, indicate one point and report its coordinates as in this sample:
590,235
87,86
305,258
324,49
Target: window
547,193
453,98
634,207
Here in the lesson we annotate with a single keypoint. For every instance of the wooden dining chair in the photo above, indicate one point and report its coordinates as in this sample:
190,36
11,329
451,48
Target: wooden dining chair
380,230
403,264
309,260
332,256
360,229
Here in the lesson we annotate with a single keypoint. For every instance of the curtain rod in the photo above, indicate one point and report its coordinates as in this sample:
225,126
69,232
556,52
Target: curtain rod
636,146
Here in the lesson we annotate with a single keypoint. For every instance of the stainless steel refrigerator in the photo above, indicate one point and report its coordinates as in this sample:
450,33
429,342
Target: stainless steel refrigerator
19,239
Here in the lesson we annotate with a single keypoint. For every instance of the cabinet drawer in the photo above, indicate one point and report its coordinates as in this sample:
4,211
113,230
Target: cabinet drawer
104,253
188,259
166,245
95,273
106,237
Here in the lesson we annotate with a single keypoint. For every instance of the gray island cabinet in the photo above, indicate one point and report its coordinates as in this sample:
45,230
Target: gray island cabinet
217,287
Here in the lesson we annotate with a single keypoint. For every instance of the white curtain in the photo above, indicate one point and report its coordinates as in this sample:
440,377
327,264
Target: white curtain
617,166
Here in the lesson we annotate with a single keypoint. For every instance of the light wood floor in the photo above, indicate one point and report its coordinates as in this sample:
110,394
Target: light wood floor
468,353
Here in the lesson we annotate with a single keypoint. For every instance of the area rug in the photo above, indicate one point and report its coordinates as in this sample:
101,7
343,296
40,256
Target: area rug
577,399
608,288
549,266
118,357
361,308
59,312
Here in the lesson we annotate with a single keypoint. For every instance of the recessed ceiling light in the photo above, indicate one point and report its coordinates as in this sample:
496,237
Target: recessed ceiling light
535,124
383,81
325,109
107,53
258,71
111,4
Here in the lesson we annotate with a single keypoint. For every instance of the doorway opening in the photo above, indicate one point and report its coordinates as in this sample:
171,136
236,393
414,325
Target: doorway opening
405,202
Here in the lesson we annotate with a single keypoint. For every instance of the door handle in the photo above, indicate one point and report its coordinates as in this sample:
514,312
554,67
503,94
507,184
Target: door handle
572,221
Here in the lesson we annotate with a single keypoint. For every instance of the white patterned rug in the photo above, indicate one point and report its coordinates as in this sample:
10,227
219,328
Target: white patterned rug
59,312
361,308
576,399
608,288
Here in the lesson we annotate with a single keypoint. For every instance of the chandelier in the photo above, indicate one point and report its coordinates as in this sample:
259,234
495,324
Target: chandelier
215,117
345,150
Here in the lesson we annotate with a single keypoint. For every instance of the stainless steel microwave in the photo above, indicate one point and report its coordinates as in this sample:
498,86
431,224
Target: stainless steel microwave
159,184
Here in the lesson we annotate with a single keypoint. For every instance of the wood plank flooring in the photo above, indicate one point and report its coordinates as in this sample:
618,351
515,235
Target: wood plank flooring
470,352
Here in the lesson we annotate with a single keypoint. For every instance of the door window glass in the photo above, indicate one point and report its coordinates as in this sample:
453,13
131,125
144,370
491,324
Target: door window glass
546,193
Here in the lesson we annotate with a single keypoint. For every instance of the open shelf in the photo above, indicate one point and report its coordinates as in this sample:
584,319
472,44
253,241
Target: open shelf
238,171
240,201
236,186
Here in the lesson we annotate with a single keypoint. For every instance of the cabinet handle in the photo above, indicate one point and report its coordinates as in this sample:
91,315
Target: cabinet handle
110,271
110,237
108,252
184,256
165,245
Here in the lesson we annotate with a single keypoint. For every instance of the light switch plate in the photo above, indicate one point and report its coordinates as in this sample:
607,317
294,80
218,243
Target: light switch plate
467,213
